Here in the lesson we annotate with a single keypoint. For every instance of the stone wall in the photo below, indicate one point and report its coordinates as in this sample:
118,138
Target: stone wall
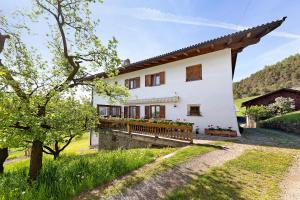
110,140
292,127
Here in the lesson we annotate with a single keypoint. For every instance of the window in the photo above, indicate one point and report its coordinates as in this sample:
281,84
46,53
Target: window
155,79
132,111
115,111
194,110
155,111
194,73
109,111
132,83
104,111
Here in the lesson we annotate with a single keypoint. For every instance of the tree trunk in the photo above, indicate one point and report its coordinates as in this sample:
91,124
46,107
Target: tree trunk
3,156
56,155
36,159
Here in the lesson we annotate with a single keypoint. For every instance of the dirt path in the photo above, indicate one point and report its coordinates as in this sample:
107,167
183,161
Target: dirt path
158,186
291,184
15,159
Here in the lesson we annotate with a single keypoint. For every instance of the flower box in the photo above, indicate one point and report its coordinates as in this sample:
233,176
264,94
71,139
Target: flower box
225,133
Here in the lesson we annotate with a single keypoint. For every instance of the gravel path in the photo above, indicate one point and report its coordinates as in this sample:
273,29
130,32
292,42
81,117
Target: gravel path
291,184
158,186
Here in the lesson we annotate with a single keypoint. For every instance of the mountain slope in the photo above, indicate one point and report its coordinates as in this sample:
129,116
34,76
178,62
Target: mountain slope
285,73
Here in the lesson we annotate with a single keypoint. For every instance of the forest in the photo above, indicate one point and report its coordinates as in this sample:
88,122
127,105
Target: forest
283,74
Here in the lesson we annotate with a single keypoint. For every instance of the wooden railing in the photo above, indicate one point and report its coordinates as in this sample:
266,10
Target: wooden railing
118,124
180,132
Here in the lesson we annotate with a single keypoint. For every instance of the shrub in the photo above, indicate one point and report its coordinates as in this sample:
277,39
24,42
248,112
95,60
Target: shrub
259,112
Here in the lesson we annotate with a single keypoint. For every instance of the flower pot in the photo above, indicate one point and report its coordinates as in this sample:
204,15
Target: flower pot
217,132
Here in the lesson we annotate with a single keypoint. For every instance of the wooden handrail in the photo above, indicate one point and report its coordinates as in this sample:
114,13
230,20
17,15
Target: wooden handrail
180,132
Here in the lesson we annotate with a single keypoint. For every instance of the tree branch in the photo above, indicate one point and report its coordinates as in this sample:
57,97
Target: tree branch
49,149
69,141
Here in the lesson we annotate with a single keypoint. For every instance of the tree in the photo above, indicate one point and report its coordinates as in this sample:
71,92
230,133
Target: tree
283,74
71,118
282,105
9,105
75,52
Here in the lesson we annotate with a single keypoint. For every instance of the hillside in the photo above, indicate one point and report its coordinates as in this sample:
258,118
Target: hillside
285,73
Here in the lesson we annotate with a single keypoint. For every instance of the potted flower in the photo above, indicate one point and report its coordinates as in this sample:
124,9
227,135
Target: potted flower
218,131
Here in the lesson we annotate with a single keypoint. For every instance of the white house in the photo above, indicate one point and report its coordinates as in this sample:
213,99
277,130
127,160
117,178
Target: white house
192,84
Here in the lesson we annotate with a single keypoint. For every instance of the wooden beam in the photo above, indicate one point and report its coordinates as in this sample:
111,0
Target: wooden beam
243,43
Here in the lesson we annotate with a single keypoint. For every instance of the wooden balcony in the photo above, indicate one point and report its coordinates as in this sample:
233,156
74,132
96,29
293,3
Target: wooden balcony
156,129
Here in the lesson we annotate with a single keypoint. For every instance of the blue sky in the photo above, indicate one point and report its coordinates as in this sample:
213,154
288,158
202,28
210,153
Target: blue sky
146,28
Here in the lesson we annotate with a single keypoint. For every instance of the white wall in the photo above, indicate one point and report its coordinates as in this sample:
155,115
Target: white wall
213,92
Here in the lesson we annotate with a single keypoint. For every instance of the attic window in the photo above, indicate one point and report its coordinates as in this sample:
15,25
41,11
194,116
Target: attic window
194,73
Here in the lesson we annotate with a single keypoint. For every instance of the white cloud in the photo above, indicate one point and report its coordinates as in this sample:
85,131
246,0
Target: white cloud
157,15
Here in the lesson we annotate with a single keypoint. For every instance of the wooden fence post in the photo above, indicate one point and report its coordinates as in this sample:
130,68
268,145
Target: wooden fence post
191,136
128,128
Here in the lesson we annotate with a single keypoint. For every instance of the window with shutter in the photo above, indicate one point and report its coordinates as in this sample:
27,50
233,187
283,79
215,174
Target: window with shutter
194,73
155,79
109,111
132,83
134,112
155,111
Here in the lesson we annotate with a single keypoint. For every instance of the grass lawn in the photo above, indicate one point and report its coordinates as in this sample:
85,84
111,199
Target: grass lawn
77,146
72,174
238,104
180,156
254,175
287,118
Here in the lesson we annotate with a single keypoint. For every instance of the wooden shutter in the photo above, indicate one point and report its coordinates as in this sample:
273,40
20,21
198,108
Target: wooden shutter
147,112
137,110
138,82
119,111
194,73
125,111
127,83
162,112
162,78
109,110
148,80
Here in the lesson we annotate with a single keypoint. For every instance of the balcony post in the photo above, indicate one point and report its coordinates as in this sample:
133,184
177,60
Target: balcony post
128,128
